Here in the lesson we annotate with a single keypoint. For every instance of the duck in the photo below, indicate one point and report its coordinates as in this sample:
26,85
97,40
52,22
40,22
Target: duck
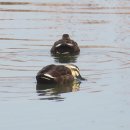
65,46
58,74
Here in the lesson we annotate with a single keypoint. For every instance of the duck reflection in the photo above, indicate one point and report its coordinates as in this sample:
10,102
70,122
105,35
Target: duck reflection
62,58
53,91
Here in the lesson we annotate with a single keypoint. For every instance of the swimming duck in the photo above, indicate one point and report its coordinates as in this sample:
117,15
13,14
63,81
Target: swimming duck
65,46
58,74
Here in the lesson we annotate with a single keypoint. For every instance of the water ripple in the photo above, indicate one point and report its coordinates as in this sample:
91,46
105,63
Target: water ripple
29,29
14,3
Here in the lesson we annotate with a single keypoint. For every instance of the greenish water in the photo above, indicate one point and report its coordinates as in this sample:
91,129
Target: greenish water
29,28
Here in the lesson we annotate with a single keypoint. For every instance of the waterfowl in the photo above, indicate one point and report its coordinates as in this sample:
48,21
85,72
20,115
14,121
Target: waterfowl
58,74
65,46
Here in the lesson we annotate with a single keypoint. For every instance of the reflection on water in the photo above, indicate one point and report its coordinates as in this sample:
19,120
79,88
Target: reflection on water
53,91
65,58
28,29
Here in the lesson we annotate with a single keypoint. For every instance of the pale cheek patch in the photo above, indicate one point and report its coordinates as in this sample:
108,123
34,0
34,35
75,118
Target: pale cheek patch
74,70
73,67
75,73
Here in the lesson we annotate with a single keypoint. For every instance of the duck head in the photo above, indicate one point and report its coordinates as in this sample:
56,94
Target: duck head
75,71
66,37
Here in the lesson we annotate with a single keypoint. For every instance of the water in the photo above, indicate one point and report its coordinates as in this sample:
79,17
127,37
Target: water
29,28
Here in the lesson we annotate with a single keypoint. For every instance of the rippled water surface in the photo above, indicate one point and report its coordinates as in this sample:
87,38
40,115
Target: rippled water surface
28,29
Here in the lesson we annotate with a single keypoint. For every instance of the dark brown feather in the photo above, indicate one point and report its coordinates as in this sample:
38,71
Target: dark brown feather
60,73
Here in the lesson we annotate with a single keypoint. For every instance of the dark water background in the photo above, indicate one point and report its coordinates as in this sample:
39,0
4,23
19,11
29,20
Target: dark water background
28,29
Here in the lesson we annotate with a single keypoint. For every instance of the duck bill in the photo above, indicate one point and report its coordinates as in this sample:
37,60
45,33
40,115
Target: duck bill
80,77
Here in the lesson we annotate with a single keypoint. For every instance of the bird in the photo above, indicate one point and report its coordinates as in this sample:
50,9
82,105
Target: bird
65,46
58,74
